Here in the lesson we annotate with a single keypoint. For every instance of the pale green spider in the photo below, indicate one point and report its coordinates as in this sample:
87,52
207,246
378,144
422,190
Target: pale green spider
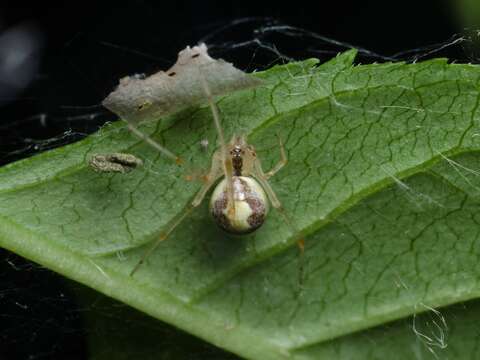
245,209
240,202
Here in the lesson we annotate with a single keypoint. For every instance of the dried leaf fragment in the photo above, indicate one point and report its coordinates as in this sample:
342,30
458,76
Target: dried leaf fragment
137,99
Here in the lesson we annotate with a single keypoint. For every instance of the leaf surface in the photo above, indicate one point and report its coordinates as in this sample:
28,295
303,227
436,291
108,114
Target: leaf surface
382,180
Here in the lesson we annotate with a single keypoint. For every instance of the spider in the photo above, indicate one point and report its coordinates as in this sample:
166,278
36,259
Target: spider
239,203
194,77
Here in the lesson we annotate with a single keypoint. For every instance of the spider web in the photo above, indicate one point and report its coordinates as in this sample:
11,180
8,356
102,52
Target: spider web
44,316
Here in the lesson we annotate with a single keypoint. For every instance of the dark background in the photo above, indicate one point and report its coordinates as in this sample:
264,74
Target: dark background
78,50
83,48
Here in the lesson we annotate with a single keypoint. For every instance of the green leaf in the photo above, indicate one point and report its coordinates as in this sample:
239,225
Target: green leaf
451,333
382,180
120,332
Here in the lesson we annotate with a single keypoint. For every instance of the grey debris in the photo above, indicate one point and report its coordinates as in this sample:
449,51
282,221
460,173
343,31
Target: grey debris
115,162
204,144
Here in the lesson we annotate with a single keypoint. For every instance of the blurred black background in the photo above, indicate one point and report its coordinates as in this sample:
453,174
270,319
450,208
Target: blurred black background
57,62
75,52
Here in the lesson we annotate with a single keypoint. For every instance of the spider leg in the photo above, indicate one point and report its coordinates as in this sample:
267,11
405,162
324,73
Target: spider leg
226,160
210,179
281,163
263,179
164,235
152,142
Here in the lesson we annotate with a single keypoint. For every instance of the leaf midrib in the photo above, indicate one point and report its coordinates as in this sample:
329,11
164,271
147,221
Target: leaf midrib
112,283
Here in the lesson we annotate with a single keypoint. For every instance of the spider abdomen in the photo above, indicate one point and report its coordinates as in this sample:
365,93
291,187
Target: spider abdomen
251,205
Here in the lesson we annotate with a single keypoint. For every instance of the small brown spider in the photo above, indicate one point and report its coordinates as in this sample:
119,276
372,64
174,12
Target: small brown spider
115,162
